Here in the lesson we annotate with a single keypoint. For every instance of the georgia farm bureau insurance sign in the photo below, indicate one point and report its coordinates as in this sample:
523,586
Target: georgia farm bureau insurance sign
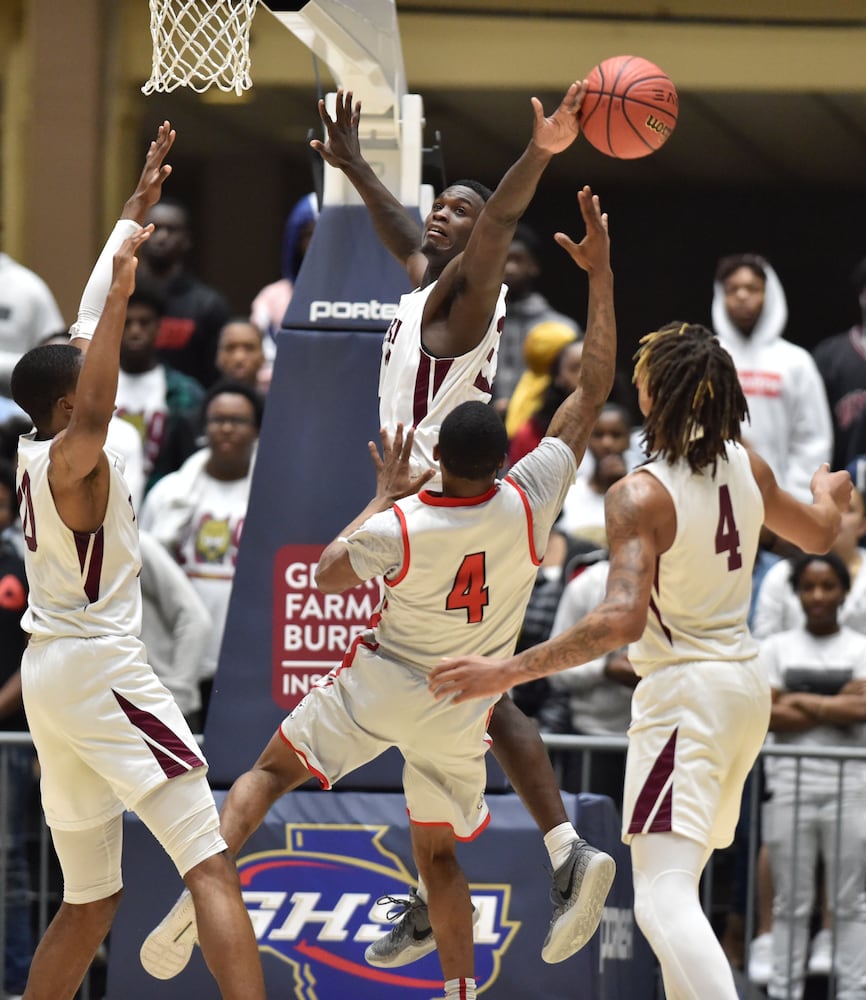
312,630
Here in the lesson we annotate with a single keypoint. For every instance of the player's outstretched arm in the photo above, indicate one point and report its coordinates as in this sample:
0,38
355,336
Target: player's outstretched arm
478,272
813,527
638,515
396,228
574,420
147,193
76,451
394,480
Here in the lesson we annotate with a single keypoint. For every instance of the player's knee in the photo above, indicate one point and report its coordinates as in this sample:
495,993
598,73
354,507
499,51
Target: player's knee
94,912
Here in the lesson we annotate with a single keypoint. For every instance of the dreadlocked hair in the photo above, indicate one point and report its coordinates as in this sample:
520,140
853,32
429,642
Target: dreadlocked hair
697,402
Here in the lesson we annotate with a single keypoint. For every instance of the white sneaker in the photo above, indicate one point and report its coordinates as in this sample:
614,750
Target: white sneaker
167,949
761,959
821,953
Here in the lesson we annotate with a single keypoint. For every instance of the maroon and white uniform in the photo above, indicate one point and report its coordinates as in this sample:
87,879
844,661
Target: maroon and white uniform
418,390
458,574
107,731
700,714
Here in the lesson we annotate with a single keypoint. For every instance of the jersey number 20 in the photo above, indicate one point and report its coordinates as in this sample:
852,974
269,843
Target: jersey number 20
470,588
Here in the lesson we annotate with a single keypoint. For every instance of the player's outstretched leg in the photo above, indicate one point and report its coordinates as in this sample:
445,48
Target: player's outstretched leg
582,875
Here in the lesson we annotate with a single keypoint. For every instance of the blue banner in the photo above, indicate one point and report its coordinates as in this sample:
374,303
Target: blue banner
311,877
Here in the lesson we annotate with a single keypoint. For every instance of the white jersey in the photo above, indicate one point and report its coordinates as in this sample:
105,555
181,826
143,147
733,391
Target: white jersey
83,585
700,597
418,390
458,572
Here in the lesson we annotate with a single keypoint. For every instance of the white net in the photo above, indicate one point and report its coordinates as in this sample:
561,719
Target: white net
200,44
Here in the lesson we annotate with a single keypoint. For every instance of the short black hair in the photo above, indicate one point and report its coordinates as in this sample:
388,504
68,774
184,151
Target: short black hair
42,376
480,189
472,441
836,563
236,389
145,294
526,235
727,265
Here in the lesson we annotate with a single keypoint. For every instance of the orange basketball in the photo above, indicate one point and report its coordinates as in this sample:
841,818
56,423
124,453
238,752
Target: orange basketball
630,107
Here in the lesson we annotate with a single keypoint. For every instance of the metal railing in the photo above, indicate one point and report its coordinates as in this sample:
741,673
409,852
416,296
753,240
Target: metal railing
45,900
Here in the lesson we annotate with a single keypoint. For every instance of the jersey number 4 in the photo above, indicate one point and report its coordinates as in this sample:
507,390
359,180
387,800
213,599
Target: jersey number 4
470,592
727,536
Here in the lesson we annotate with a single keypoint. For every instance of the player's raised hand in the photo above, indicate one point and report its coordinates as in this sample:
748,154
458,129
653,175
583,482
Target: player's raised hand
557,132
593,251
394,475
125,261
343,145
148,191
837,484
462,678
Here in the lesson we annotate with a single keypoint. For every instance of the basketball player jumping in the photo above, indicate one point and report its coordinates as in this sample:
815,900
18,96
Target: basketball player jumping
439,351
474,556
108,733
683,533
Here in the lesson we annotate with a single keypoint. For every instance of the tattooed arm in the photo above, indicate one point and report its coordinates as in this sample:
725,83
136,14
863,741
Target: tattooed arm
641,524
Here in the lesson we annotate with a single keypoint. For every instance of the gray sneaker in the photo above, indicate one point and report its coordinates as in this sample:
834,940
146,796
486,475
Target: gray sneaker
580,888
410,938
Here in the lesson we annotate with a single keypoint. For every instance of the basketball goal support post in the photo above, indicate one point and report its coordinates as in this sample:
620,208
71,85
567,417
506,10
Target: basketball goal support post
359,42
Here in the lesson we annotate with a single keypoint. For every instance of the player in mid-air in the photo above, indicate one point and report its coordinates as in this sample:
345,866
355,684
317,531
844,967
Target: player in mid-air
108,733
683,533
439,351
458,565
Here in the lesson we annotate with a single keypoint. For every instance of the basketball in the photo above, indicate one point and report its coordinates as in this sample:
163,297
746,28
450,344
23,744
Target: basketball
630,107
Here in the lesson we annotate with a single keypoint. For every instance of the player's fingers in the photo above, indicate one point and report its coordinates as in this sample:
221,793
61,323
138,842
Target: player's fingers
407,444
537,108
566,242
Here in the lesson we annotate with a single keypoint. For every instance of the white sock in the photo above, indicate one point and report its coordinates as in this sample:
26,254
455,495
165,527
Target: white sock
460,989
558,842
421,890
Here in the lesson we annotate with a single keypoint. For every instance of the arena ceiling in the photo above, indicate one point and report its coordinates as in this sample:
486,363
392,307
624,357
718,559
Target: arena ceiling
772,92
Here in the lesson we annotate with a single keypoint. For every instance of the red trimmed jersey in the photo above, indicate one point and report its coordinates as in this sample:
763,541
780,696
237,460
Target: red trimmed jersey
418,390
700,597
81,584
459,572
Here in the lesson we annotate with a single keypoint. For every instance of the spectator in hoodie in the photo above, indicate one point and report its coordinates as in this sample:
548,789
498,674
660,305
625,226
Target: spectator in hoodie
269,306
790,425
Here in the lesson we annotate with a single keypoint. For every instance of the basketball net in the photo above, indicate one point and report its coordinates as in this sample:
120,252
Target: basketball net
199,44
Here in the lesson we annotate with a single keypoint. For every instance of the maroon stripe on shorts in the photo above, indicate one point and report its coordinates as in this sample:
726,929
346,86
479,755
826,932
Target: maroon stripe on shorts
159,732
172,768
652,789
664,817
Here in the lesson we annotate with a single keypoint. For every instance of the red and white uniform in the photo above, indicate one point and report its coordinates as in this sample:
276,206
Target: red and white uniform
458,574
700,714
418,390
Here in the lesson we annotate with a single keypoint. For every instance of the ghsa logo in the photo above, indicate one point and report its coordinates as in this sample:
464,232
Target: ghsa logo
313,905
